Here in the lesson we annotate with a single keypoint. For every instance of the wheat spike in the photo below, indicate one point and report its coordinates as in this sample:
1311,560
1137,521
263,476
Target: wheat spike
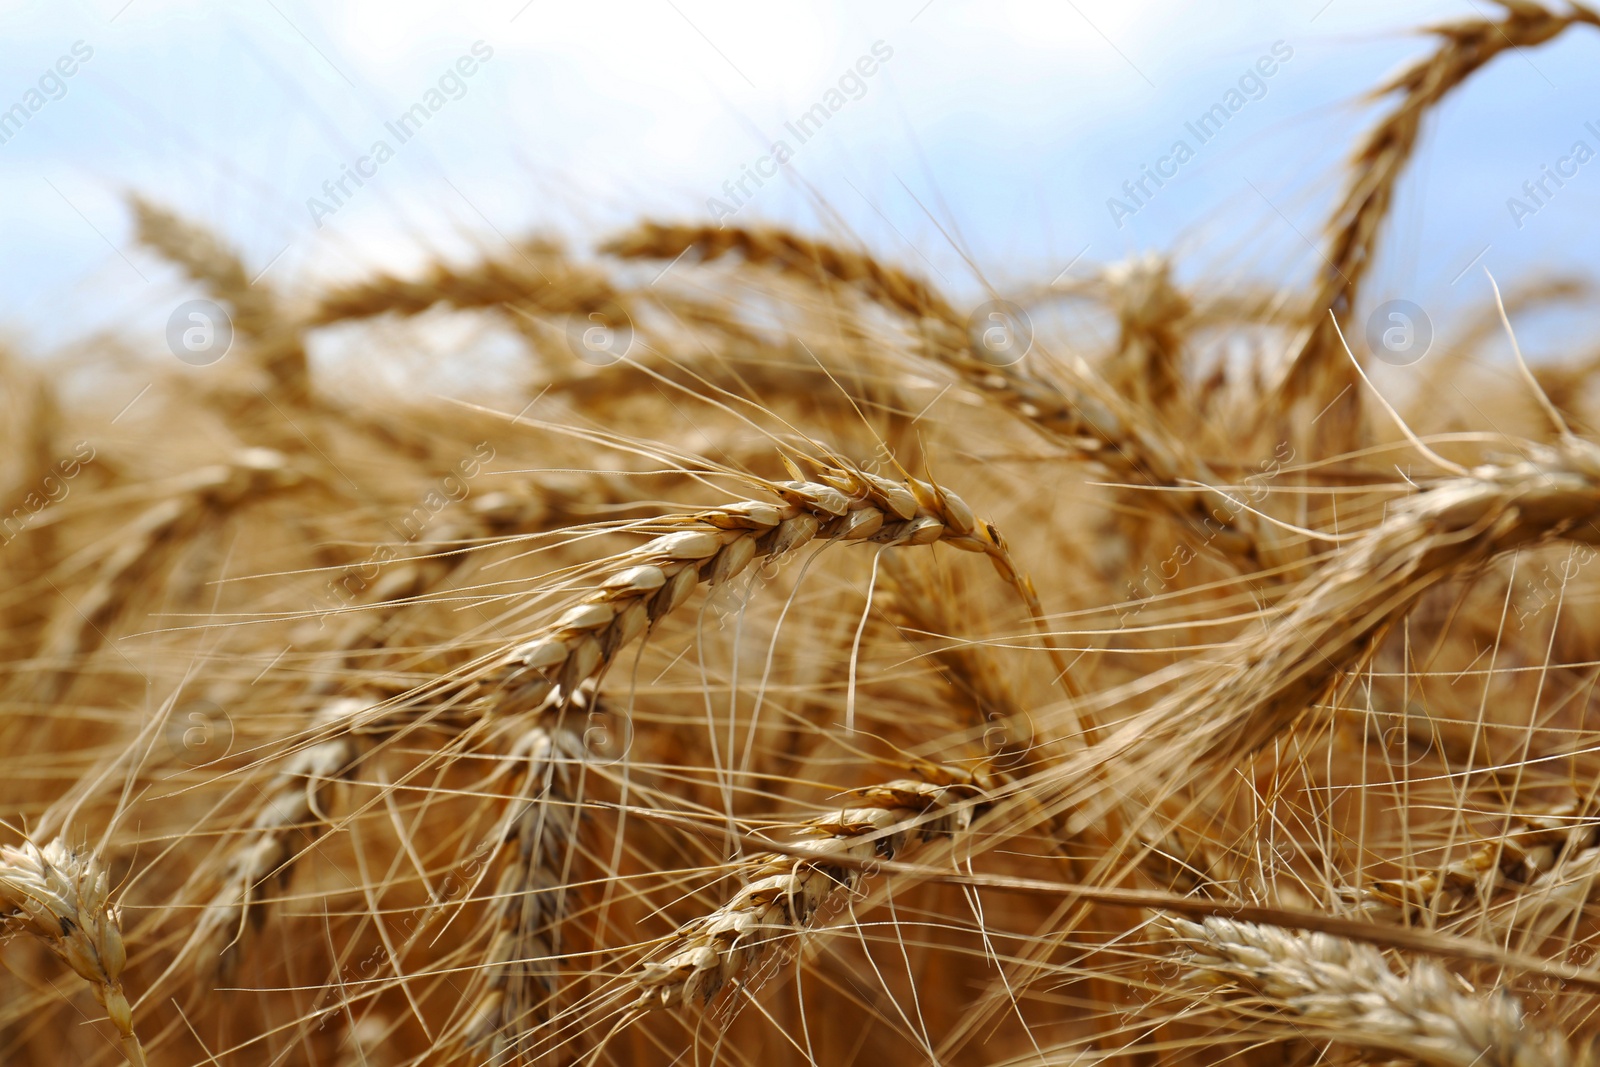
1524,856
290,819
1319,368
537,281
529,897
1091,418
62,896
1346,992
713,546
257,311
783,895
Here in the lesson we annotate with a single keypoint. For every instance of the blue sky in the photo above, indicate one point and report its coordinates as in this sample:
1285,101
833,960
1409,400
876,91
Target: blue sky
1003,127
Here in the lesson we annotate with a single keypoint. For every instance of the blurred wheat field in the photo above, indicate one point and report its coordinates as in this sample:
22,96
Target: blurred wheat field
789,668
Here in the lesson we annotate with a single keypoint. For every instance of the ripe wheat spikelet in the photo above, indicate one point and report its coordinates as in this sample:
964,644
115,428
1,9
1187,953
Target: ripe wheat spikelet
782,895
712,547
519,975
257,310
63,897
1318,368
1346,991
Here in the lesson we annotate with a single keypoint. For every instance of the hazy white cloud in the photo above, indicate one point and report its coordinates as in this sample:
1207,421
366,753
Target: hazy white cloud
1019,118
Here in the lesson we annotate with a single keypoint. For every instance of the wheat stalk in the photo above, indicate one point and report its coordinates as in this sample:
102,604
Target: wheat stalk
62,896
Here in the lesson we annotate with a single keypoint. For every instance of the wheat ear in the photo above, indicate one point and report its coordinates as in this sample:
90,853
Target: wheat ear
538,280
1090,418
1525,855
529,897
1346,992
1266,681
640,587
63,897
257,312
290,819
783,895
1319,368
